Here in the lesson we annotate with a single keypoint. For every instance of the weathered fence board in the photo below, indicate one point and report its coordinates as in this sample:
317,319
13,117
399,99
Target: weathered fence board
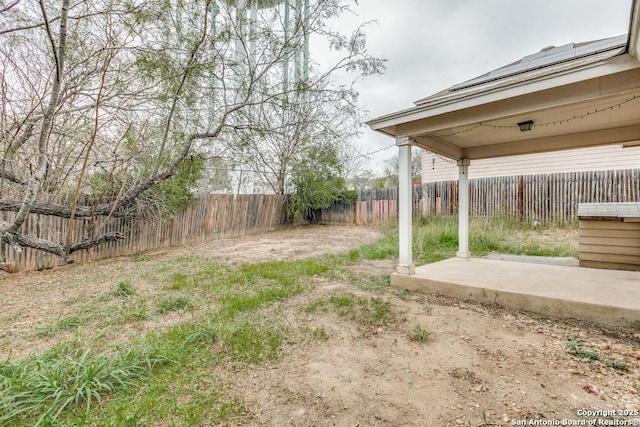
549,198
213,216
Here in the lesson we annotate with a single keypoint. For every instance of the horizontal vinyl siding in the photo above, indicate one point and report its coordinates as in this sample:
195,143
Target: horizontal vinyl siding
611,157
436,168
609,244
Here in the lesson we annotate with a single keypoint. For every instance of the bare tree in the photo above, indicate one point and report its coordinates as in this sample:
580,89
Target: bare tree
274,138
106,101
391,169
310,110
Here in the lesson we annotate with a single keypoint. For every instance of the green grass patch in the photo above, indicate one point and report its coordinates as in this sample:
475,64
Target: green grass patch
175,304
436,238
40,388
235,303
178,281
621,365
187,391
251,341
284,272
576,348
257,285
366,311
66,324
124,289
128,313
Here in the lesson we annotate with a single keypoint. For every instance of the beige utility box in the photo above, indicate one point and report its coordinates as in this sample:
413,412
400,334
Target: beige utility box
609,235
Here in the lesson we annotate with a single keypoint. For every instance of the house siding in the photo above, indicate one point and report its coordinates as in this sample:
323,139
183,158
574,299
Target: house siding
609,244
611,157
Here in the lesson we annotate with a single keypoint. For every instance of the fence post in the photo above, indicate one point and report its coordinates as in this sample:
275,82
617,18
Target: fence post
520,198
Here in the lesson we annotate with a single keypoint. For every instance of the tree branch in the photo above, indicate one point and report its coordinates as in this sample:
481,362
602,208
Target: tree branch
19,241
9,6
176,96
111,236
33,186
63,211
6,172
115,208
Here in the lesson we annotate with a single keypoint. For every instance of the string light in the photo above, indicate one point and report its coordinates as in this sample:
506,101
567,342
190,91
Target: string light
444,159
460,132
368,155
539,125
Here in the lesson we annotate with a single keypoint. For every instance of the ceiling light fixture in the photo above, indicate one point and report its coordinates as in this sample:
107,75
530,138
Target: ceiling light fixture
525,126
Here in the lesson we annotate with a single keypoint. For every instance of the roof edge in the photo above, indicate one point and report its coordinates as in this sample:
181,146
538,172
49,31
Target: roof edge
615,64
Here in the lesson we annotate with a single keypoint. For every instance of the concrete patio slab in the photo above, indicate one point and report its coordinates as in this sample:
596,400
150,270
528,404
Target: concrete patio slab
610,297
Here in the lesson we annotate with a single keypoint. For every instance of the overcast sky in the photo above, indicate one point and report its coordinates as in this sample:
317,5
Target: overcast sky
431,45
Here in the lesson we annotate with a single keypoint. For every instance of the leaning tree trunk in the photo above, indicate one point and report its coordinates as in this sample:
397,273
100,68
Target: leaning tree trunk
8,231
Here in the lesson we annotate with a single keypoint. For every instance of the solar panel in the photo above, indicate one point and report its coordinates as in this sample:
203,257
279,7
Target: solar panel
549,56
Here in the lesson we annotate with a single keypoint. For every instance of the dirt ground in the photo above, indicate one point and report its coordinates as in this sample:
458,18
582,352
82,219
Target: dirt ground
479,365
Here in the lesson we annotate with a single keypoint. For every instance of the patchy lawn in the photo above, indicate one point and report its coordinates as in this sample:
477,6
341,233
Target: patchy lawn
297,327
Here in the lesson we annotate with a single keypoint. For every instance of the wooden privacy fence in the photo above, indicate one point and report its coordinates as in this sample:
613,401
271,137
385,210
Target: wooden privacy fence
213,216
372,206
543,198
551,198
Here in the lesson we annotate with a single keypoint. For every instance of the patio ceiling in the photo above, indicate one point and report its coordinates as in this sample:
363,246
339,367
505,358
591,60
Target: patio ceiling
581,101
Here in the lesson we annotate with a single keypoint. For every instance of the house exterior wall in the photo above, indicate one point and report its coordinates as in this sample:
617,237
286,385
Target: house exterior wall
609,157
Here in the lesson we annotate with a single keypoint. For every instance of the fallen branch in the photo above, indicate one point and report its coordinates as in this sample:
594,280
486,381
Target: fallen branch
63,211
18,241
111,236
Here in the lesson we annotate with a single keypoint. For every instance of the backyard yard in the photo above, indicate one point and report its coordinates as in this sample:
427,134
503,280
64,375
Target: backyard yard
300,327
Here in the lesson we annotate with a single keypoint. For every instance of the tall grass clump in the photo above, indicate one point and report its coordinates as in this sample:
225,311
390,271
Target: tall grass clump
508,235
41,388
435,237
124,289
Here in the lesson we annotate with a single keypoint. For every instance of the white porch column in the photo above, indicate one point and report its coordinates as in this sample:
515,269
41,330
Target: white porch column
405,264
463,209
